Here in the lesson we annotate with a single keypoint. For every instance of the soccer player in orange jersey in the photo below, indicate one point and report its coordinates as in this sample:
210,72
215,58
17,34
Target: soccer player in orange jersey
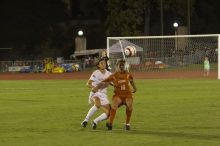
121,80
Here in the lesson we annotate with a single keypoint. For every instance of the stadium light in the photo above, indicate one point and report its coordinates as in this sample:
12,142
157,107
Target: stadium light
80,33
175,25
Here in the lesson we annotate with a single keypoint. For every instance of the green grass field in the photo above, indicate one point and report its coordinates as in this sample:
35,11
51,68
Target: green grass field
166,113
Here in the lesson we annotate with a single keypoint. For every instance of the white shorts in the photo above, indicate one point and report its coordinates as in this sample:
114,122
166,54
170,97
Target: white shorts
103,98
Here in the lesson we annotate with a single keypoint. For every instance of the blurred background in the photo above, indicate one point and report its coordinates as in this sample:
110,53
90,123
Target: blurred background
49,28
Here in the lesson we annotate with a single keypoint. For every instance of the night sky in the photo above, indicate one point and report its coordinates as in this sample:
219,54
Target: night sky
36,28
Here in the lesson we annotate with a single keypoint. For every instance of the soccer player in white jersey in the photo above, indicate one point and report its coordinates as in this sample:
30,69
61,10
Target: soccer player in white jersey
99,99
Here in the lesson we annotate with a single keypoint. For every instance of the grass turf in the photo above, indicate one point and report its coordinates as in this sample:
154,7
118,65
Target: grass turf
166,112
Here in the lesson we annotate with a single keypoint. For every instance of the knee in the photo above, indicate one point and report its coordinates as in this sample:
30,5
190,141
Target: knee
114,106
108,113
129,108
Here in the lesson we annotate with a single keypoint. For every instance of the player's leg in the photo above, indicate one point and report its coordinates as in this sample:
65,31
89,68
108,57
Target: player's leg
116,101
208,70
105,106
129,108
92,110
103,116
204,72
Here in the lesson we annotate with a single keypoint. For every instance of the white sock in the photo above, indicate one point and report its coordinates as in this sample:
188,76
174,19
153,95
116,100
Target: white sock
92,110
102,117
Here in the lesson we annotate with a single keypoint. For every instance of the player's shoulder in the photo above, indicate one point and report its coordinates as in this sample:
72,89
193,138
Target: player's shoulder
130,73
95,71
108,72
127,72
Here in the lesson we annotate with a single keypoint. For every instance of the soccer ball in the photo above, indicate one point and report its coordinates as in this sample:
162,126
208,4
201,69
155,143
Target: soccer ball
130,51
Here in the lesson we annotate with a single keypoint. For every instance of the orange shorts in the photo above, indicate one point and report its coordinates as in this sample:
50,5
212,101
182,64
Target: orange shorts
122,97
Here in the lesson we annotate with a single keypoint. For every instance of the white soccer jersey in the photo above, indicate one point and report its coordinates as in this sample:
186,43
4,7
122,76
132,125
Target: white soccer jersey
97,77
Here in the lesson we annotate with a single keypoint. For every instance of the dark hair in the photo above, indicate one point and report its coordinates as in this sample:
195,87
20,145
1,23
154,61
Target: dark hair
97,63
120,61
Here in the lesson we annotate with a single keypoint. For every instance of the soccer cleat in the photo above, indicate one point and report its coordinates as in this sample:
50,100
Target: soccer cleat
84,124
109,126
94,125
127,127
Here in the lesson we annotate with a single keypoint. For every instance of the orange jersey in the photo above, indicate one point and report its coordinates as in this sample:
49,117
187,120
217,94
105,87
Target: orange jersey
121,82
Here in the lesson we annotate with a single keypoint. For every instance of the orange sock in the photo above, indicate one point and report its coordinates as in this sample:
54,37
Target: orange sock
128,116
112,115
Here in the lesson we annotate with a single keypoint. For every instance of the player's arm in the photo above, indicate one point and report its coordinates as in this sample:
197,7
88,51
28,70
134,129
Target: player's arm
133,84
91,80
103,84
108,81
99,86
89,84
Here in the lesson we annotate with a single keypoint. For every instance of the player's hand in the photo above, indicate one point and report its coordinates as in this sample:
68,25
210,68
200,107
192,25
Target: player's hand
91,87
94,90
134,90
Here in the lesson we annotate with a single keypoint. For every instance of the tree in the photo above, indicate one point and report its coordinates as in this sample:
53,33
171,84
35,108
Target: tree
130,17
124,17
